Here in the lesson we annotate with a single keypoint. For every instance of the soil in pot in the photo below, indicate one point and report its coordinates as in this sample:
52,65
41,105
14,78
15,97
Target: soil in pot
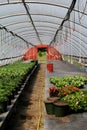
54,99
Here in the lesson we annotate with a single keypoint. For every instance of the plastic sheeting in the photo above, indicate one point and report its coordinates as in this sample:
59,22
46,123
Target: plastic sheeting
19,31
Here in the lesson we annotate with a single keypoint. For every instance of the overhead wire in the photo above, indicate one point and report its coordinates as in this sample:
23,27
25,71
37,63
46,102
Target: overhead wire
67,16
3,31
84,9
14,34
79,18
27,10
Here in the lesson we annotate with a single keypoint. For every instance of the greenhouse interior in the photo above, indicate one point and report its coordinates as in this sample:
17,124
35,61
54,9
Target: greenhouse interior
43,64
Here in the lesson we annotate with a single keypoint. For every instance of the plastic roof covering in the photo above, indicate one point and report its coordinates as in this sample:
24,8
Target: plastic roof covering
19,31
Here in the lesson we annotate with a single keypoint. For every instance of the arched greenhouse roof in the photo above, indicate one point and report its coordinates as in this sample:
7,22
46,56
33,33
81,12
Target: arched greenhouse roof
58,23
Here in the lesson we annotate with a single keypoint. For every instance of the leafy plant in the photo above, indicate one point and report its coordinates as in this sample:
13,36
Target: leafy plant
63,91
11,76
40,53
3,96
77,101
53,91
78,81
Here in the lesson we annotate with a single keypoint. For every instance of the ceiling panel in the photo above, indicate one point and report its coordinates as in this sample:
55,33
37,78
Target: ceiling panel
40,21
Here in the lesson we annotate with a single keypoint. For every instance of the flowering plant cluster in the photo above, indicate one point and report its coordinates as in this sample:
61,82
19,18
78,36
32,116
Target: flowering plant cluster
77,101
63,91
69,90
53,91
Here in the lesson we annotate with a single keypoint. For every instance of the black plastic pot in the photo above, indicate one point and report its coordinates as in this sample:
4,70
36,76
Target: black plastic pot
49,107
9,100
4,106
61,109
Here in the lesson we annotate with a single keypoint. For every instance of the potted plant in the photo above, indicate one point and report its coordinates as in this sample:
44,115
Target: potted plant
77,101
78,81
61,108
3,101
66,90
53,91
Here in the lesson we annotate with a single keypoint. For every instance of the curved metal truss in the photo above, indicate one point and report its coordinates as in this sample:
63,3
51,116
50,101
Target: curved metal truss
27,23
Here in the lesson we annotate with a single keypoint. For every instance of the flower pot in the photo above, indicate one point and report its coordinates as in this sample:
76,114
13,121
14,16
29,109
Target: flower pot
49,107
61,109
16,90
19,86
53,99
13,95
50,67
9,100
4,106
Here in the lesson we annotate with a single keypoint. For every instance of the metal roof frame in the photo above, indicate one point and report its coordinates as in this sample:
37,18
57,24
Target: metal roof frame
32,30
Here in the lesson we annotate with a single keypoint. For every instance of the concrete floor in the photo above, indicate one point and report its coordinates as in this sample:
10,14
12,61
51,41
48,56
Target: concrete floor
76,121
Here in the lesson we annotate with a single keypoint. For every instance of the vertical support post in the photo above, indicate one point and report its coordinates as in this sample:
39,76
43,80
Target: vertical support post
80,47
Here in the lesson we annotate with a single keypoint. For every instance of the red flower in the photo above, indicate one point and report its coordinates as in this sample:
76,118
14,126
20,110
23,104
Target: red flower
53,91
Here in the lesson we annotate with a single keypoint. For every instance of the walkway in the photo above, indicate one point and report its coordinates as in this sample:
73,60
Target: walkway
30,109
30,114
70,122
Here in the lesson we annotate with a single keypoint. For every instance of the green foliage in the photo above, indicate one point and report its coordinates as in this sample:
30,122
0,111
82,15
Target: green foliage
77,81
40,53
77,101
3,96
66,90
11,76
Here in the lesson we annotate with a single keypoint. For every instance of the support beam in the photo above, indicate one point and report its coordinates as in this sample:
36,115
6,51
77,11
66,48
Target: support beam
64,20
12,33
27,10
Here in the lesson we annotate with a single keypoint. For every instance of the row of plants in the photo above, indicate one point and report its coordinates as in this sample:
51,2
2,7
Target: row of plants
11,78
71,94
78,81
62,91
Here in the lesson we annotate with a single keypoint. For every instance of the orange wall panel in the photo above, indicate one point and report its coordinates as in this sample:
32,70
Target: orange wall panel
52,53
